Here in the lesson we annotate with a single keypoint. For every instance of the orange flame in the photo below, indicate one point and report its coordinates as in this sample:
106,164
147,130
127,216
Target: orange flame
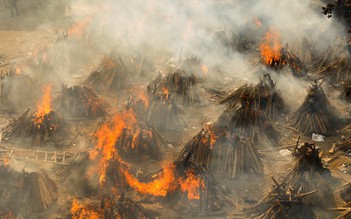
79,28
167,182
44,106
270,47
192,185
165,93
204,69
80,211
107,136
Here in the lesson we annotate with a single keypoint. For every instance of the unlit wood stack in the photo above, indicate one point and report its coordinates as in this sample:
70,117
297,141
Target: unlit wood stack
263,96
27,129
308,174
111,75
235,156
315,115
249,123
345,192
282,202
80,102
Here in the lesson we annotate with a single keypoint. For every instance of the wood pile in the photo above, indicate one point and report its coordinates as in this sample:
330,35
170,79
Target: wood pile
140,140
111,75
199,149
308,174
282,202
249,123
346,93
75,177
289,59
345,211
126,208
163,113
345,192
263,96
233,156
315,115
51,128
138,105
16,88
34,191
179,86
80,102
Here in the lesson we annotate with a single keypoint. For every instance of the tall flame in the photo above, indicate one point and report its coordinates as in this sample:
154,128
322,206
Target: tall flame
270,47
192,185
107,136
44,105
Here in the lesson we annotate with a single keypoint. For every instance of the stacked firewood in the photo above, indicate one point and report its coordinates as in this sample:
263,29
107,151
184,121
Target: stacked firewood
80,102
126,208
164,113
249,123
35,191
16,88
282,202
315,115
111,75
308,174
179,86
233,156
49,128
199,149
141,139
345,192
194,66
289,59
263,96
346,93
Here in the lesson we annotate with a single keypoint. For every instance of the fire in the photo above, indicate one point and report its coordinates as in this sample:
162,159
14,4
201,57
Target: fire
204,69
79,28
270,47
80,211
158,187
165,93
192,185
44,105
143,96
168,182
107,136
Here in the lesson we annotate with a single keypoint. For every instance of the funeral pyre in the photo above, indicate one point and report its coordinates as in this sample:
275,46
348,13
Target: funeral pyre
16,88
247,122
263,96
180,87
315,115
276,57
35,191
44,126
80,102
308,174
282,202
222,153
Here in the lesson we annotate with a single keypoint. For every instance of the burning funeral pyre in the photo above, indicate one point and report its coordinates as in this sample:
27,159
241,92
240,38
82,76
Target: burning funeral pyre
109,208
41,127
34,191
194,66
16,88
308,174
185,186
275,57
162,111
264,96
315,115
246,122
178,86
226,155
80,102
282,202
